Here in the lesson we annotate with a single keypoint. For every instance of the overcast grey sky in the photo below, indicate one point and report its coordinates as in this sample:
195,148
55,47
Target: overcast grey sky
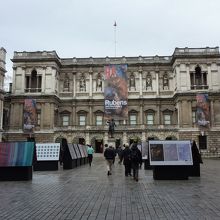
84,28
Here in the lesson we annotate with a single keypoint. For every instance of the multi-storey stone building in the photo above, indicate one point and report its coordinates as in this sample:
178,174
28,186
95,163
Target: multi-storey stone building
2,75
161,97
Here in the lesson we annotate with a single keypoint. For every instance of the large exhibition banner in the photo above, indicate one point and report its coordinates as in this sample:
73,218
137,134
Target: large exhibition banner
30,114
170,153
202,109
116,92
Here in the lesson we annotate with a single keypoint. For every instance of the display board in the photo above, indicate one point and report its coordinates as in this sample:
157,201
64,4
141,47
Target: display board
85,150
16,154
170,153
72,152
77,151
48,151
81,150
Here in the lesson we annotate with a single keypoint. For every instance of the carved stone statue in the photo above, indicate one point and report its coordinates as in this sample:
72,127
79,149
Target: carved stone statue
82,84
132,81
111,127
148,81
99,83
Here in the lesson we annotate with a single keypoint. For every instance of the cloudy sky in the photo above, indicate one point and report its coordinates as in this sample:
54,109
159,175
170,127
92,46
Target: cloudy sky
84,28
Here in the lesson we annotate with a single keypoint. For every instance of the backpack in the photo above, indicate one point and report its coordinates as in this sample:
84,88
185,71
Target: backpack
134,156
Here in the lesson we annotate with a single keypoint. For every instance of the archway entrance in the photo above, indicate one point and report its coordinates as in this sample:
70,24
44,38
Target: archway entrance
99,145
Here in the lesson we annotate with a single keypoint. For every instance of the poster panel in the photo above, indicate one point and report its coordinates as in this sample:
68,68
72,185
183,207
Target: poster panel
202,110
29,114
170,153
48,151
16,154
75,146
81,150
116,92
72,151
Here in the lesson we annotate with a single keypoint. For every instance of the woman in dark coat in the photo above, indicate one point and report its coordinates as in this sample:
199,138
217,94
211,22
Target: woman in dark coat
126,157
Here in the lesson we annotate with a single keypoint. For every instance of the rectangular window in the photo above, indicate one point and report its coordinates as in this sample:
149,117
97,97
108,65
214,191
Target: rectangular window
82,120
65,120
98,120
150,119
167,119
133,119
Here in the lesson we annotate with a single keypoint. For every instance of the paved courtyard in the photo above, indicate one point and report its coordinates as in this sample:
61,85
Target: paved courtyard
88,193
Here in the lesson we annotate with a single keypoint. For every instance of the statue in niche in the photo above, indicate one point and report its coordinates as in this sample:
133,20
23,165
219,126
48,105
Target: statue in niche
165,82
82,84
132,81
99,83
148,82
66,84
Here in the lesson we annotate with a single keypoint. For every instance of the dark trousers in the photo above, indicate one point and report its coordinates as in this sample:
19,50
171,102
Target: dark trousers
135,168
127,169
90,156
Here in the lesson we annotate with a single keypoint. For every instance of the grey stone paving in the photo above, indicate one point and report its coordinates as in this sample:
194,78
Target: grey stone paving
88,193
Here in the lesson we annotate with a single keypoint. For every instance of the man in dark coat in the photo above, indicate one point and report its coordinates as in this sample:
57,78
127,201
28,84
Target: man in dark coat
126,158
136,160
109,155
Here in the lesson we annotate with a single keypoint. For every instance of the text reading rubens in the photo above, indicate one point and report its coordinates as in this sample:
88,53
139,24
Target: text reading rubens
115,104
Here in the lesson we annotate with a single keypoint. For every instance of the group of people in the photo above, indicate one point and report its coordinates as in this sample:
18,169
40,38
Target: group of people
130,156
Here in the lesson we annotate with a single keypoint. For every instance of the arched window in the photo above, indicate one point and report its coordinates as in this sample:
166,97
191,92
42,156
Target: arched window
33,82
198,79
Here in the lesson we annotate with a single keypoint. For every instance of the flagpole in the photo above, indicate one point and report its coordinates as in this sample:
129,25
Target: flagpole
115,25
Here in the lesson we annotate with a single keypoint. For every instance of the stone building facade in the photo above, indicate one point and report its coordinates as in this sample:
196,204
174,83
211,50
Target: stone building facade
161,97
2,76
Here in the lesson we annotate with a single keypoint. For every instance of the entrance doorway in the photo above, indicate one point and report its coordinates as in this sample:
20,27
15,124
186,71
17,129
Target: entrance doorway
82,141
98,145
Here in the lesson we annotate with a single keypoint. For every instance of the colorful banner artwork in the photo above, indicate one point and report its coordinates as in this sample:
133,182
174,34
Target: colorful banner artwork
202,110
29,114
16,154
116,92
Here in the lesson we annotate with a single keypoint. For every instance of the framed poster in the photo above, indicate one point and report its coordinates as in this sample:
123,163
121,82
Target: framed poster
81,150
72,152
170,153
48,151
16,154
77,151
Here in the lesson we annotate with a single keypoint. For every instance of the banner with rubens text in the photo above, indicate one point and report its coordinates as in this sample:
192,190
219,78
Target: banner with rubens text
116,92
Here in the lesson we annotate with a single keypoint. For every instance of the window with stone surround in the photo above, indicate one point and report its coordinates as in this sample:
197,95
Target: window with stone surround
99,119
33,82
65,120
198,79
82,120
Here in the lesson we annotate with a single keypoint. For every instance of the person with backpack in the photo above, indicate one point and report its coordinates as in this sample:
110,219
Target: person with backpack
109,155
126,158
136,160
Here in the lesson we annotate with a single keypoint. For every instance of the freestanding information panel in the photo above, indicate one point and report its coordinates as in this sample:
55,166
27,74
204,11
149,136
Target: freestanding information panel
170,159
47,156
79,157
71,161
83,160
16,160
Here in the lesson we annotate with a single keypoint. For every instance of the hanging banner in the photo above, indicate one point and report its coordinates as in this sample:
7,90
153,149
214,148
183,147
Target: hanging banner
29,114
202,110
116,92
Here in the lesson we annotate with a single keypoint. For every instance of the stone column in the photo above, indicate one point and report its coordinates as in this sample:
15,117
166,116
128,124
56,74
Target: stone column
23,79
90,81
143,136
209,76
87,138
124,138
140,81
157,83
188,77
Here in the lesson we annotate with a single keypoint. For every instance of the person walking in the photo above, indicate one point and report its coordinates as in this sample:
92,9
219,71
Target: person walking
126,158
109,155
90,152
136,160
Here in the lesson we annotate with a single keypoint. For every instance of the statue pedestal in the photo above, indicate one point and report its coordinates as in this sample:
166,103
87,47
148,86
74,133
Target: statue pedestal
111,141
